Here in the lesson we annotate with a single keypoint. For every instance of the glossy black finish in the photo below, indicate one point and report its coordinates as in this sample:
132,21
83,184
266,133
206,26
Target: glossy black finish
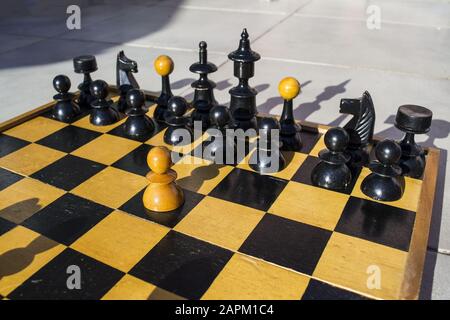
287,243
377,222
289,129
182,265
332,171
177,123
138,125
8,178
67,218
201,113
50,282
412,120
249,188
65,108
203,86
68,172
169,219
102,114
69,138
385,182
318,290
243,102
135,161
10,144
163,99
85,64
5,226
125,81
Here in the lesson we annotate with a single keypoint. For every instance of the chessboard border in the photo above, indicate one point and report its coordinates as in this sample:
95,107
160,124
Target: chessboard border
412,279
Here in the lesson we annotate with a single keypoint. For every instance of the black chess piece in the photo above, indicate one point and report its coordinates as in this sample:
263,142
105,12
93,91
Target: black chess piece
85,64
164,67
289,88
65,108
412,120
220,148
138,125
268,149
201,114
243,97
102,113
332,171
203,86
178,131
385,183
125,81
360,127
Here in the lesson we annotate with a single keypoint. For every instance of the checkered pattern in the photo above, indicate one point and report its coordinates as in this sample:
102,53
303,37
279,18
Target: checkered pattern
71,194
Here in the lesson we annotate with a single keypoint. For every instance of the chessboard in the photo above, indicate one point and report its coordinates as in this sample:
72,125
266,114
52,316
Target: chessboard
71,199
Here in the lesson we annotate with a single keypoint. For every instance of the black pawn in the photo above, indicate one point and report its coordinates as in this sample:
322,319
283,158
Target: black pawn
178,130
243,97
201,114
65,108
220,148
85,65
138,125
102,113
385,183
332,171
412,120
261,160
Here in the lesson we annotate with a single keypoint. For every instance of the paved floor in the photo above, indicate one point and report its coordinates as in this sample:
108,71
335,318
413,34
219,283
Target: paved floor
325,44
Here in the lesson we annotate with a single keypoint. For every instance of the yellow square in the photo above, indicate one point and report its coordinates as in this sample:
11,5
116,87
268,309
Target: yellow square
293,161
409,200
35,129
86,124
120,240
199,175
130,288
111,187
320,145
221,222
158,140
311,205
151,110
245,278
357,264
106,149
30,159
26,197
22,253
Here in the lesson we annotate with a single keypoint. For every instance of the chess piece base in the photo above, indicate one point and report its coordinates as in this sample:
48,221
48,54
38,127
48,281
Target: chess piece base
104,116
65,111
291,142
383,188
263,163
162,194
331,176
139,126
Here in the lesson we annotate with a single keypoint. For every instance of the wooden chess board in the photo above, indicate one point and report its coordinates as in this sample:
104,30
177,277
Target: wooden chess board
71,194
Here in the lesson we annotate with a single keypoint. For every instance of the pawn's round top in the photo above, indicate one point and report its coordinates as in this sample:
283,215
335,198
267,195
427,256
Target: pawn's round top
177,105
289,88
85,64
414,119
388,152
219,116
99,89
135,98
163,65
159,160
202,45
61,83
336,139
268,124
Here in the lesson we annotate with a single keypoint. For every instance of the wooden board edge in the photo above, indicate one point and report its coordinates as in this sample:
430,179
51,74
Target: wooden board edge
412,278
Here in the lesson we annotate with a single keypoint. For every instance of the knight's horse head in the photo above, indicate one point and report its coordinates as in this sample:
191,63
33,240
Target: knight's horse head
126,64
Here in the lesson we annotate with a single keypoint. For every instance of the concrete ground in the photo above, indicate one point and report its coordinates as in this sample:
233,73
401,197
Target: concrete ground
327,45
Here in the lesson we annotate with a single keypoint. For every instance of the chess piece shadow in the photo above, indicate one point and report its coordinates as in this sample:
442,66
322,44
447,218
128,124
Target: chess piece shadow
199,175
21,210
161,294
223,84
182,83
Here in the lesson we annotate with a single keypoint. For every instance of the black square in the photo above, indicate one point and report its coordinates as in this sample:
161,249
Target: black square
287,243
309,140
10,144
377,222
303,174
120,132
135,161
50,282
318,290
5,225
7,178
67,218
68,172
69,138
249,188
170,219
183,265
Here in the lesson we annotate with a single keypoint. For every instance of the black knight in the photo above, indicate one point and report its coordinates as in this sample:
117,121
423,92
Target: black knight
125,80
